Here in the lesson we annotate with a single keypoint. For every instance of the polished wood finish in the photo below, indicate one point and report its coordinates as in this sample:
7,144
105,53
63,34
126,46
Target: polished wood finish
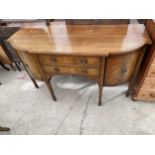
145,87
94,40
86,50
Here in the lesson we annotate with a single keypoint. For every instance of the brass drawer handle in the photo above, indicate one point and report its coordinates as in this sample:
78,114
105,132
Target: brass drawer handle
84,71
124,70
83,61
53,60
56,69
152,94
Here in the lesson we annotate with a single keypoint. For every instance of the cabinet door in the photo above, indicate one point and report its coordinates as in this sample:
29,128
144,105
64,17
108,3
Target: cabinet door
120,68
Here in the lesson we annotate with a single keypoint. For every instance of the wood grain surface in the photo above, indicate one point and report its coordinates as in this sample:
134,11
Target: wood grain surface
110,54
59,38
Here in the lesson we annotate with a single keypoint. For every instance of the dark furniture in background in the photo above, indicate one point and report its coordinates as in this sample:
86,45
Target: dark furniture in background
145,85
5,33
97,21
141,21
6,22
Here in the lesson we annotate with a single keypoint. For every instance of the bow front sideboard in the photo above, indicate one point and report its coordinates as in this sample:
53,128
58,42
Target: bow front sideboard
109,54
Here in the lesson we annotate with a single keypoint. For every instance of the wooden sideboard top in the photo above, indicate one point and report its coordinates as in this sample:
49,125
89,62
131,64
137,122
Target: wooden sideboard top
59,38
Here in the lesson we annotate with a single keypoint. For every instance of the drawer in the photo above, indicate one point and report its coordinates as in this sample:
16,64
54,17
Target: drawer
149,83
151,71
147,94
71,70
69,60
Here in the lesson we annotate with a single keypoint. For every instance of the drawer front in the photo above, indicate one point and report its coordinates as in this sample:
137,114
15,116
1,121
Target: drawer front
147,94
71,70
69,60
151,72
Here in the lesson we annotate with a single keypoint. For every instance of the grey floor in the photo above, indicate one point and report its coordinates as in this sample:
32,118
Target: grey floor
27,110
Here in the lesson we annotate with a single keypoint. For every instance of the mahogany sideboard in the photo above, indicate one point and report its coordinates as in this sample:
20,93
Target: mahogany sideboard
145,85
109,54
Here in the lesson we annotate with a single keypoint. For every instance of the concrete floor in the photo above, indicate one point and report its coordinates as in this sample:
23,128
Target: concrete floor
27,110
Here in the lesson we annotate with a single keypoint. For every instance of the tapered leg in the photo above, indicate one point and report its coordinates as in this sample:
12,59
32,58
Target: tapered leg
101,80
127,93
18,66
4,66
13,67
33,80
100,96
130,87
4,128
51,90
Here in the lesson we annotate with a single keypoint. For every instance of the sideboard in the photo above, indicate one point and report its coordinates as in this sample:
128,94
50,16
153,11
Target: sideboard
109,54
